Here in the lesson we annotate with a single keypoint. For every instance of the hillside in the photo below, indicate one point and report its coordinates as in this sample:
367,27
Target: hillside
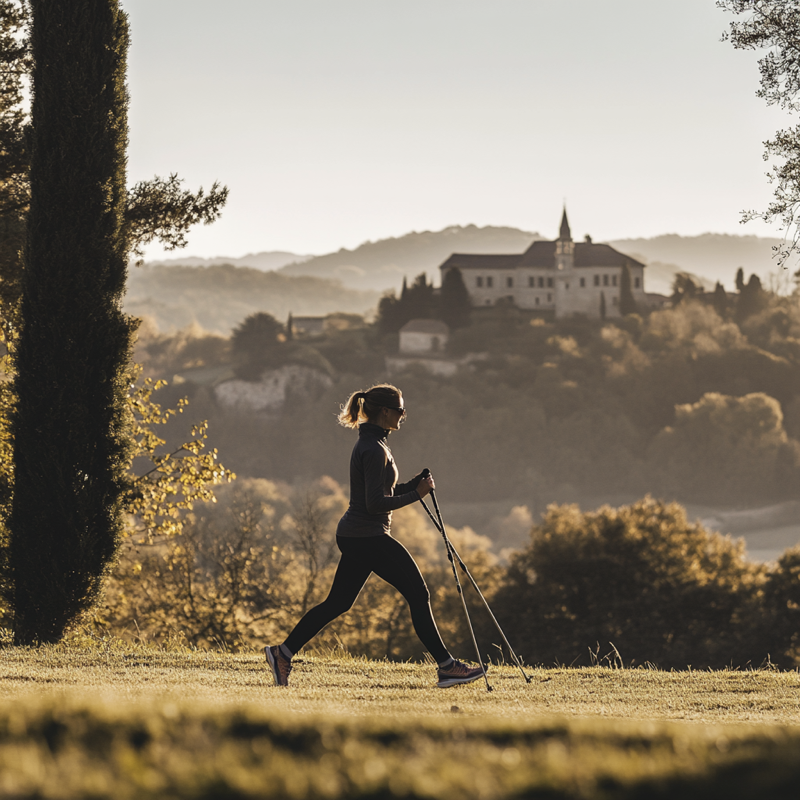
712,256
383,264
115,721
219,297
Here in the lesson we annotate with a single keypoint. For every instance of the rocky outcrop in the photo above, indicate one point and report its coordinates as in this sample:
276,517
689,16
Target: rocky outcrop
270,392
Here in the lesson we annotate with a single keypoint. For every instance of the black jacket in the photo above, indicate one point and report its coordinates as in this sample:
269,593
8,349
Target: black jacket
374,491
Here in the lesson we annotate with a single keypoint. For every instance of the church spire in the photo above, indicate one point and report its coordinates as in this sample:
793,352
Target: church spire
564,234
565,249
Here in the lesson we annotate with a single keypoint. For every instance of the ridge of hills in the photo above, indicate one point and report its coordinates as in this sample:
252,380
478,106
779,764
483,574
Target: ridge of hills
177,292
384,263
266,261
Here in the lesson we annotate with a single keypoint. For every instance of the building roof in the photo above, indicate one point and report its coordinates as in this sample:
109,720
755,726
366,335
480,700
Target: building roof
542,255
479,261
588,254
434,326
539,254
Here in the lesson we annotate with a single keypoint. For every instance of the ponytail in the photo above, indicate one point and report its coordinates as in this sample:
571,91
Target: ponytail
365,406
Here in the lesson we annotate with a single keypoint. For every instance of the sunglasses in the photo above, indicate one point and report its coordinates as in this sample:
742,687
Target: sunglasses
396,408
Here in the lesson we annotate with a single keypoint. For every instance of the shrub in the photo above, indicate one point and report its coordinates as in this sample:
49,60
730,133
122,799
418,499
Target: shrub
660,588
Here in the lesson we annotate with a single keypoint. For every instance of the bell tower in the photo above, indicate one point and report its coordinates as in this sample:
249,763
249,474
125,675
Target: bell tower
565,247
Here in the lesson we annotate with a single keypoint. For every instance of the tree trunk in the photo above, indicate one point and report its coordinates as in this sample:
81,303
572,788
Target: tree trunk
70,431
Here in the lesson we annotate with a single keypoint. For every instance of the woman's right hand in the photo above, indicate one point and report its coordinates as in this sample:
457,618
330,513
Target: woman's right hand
426,486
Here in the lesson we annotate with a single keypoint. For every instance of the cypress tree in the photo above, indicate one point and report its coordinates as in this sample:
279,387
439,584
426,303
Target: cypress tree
739,279
70,427
602,305
627,305
454,302
751,299
720,300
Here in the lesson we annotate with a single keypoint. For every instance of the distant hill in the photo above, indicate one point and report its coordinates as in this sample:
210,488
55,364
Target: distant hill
383,264
266,261
713,256
219,297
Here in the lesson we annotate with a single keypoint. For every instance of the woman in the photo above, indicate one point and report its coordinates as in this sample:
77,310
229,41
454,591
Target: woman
364,539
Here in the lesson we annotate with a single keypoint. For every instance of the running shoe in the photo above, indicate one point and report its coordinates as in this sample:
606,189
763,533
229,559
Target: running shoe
456,673
279,664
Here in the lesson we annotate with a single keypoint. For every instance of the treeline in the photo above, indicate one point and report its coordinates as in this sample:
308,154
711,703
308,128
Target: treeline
635,585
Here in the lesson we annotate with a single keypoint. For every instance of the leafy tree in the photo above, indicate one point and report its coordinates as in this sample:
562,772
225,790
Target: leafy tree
14,191
684,287
454,303
627,305
418,301
254,341
722,447
163,486
415,302
159,209
782,607
752,299
774,25
640,579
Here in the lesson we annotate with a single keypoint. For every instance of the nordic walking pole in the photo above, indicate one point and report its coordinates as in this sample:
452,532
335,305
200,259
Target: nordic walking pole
458,586
474,583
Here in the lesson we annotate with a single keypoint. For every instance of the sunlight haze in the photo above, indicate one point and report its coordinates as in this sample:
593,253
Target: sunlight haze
333,123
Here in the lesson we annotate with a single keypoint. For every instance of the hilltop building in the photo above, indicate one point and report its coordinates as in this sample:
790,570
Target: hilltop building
561,276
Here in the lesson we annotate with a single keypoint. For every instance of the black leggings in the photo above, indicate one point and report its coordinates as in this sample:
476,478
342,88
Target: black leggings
388,559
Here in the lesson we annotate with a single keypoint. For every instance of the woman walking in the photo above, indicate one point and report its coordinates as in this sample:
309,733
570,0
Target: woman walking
364,539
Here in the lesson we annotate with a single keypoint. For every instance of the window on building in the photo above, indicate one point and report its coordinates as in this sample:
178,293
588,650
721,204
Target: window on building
541,283
635,283
537,301
531,282
614,300
583,283
489,282
613,280
596,280
549,283
549,298
509,283
479,282
605,280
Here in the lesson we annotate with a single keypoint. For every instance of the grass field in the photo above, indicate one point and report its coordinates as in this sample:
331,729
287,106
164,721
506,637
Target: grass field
114,720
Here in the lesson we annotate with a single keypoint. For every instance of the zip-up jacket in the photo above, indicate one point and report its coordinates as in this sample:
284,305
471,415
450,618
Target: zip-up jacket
374,491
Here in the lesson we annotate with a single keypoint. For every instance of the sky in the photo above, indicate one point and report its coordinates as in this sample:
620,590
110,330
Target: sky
335,122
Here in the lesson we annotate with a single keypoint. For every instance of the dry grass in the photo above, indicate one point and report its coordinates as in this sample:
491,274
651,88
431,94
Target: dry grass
121,721
347,686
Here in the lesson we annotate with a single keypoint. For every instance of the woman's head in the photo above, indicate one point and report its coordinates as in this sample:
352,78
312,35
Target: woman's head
381,405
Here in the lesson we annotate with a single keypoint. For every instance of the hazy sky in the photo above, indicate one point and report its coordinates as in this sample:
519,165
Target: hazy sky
337,121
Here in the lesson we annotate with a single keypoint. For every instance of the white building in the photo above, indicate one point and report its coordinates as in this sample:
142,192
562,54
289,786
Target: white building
423,342
560,276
